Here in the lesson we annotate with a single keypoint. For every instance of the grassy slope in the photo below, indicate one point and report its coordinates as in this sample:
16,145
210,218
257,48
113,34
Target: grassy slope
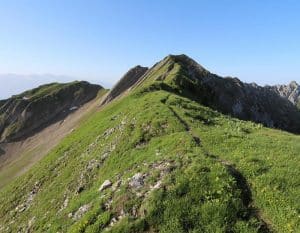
43,90
34,101
215,161
27,152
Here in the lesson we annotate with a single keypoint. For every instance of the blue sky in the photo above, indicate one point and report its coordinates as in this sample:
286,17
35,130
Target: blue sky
256,41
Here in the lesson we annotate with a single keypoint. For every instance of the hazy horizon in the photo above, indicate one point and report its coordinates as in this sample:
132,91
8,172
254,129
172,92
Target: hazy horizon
18,83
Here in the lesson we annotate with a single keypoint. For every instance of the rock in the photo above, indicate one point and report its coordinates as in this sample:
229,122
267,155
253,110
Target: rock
156,186
106,184
31,222
290,91
107,205
116,185
93,164
79,189
113,221
108,132
73,108
112,147
81,211
141,144
140,195
122,213
21,208
137,181
66,202
104,156
134,211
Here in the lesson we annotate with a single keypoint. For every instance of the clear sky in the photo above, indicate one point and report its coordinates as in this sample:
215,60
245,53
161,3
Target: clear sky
256,41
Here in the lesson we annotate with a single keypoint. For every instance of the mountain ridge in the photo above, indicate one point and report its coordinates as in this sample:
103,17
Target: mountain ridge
21,114
290,91
225,94
125,83
160,156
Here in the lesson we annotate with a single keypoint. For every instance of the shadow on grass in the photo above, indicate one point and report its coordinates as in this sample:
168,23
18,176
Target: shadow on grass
246,195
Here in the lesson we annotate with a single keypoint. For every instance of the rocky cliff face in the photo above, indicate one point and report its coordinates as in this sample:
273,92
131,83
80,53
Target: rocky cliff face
228,95
32,110
290,92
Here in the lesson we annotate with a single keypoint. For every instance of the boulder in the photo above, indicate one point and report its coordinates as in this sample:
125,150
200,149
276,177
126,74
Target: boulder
81,211
137,181
106,184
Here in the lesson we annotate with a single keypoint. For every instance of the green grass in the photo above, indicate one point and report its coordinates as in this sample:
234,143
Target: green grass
47,89
33,109
200,194
23,162
28,157
212,173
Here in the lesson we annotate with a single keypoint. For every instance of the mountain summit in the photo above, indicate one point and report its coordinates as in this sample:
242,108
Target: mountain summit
185,76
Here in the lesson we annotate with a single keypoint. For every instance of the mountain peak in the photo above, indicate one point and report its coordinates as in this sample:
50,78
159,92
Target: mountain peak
294,84
185,61
131,77
182,74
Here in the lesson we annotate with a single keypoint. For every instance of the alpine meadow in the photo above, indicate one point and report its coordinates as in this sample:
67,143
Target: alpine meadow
149,116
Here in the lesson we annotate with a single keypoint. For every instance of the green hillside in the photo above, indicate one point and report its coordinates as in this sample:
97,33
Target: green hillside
158,161
30,111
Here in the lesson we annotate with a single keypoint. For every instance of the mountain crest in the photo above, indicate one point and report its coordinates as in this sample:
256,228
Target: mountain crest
32,110
187,62
125,83
181,74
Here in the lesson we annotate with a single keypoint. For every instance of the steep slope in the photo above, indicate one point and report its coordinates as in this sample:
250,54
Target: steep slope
18,156
245,101
290,92
155,161
125,83
23,114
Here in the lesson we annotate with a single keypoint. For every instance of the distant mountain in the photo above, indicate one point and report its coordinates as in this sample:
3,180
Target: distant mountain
17,83
22,114
290,92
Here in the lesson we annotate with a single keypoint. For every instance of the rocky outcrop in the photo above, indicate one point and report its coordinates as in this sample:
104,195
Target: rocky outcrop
33,110
290,92
228,95
106,184
137,181
125,83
